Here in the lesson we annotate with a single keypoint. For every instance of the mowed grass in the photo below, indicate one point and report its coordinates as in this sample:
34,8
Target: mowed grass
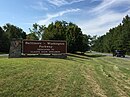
76,76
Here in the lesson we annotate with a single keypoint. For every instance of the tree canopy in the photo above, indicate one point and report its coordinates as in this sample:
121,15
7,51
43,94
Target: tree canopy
36,31
7,33
61,30
117,38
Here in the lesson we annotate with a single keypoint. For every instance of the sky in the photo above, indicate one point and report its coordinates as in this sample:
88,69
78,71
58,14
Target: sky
94,17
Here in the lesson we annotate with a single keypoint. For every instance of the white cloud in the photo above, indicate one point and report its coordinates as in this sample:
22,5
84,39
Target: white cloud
63,2
51,16
103,6
101,24
57,2
75,1
39,6
106,4
105,17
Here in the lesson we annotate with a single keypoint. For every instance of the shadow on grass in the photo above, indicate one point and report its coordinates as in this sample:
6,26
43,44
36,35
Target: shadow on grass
94,56
78,56
86,56
45,56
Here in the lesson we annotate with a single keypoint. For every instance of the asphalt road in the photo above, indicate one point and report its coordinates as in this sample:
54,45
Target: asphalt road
3,54
108,54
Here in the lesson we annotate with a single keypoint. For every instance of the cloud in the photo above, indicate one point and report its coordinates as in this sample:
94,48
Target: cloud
51,16
39,6
108,4
63,2
101,24
105,17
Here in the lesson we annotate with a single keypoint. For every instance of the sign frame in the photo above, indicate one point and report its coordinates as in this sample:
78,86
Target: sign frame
42,41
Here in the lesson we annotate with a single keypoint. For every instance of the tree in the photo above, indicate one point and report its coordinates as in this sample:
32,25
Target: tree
38,30
1,33
61,30
32,36
84,44
14,32
55,31
3,41
74,37
10,32
117,38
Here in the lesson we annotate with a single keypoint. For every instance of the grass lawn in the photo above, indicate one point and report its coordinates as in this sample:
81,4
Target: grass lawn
76,76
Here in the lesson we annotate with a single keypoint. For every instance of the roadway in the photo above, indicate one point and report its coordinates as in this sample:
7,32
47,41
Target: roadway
3,54
108,54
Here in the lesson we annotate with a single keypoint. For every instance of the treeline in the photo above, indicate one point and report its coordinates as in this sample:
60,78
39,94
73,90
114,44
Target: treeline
59,30
118,38
7,33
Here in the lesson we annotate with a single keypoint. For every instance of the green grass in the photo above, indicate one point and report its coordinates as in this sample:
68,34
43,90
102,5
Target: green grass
76,76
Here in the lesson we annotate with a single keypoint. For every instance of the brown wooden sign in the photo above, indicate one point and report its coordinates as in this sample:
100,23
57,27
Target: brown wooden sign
44,47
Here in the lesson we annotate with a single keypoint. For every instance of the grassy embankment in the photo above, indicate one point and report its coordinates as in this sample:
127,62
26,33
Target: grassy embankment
76,76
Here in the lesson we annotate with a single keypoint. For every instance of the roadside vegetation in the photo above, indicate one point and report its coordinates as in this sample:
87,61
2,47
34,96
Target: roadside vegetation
58,30
77,76
80,75
117,38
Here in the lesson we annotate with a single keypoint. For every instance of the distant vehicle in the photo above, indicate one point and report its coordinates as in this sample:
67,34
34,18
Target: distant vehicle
119,53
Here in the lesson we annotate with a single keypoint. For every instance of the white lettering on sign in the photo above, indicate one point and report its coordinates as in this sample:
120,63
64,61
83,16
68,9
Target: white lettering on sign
41,46
44,47
29,43
50,43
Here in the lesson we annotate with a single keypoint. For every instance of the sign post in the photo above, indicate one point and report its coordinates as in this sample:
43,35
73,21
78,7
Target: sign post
15,48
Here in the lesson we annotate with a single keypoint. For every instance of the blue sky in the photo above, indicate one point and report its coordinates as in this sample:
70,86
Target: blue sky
94,17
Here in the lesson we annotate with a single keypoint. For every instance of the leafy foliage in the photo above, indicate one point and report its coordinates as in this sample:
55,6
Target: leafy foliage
36,32
7,33
61,30
116,38
32,36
